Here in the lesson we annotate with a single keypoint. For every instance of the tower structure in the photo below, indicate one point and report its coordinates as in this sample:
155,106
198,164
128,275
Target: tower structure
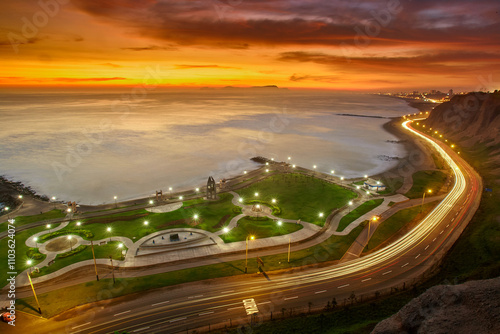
211,188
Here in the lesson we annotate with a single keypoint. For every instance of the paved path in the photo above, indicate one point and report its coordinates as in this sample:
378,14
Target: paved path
364,237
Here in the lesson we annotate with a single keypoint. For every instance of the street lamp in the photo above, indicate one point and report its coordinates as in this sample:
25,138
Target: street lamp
350,203
120,246
48,226
293,166
366,176
240,200
225,229
35,239
197,190
29,262
374,219
244,172
342,181
273,200
109,231
54,201
256,194
423,198
246,252
195,216
78,223
146,223
180,197
321,214
151,202
115,198
280,223
69,240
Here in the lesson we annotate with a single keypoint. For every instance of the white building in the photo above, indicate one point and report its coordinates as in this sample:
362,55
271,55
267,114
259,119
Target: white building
374,185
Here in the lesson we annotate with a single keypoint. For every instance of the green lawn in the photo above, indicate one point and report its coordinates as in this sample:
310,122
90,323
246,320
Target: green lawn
101,252
60,300
299,196
23,220
424,180
392,184
210,214
21,252
393,224
259,229
358,212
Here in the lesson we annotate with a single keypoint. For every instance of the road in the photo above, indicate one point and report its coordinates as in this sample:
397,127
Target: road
178,309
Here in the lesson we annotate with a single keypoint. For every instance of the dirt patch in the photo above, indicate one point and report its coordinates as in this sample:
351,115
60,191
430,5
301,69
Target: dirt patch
221,222
114,219
60,244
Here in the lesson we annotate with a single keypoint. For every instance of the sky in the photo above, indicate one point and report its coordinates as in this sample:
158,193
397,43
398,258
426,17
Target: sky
374,45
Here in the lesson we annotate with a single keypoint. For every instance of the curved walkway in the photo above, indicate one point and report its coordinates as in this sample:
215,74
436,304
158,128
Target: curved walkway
218,249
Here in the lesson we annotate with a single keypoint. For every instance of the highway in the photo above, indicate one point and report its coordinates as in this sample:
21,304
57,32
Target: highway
188,306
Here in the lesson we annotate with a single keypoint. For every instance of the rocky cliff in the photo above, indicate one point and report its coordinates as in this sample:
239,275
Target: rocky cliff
470,118
472,307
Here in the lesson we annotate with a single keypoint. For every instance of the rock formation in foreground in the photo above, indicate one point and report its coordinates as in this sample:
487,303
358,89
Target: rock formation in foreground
472,307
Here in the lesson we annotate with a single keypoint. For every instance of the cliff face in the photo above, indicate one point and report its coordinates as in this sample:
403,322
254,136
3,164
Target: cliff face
469,119
472,307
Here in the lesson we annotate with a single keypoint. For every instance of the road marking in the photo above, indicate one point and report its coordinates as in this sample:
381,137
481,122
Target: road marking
85,324
206,313
195,296
264,303
228,291
434,239
166,301
366,279
234,308
342,286
416,257
425,248
452,219
140,329
178,319
320,291
122,313
448,225
387,272
404,265
441,232
288,298
250,306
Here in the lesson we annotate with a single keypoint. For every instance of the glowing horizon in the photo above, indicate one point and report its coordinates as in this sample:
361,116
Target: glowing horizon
367,46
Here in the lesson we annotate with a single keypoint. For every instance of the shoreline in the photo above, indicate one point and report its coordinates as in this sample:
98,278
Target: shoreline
11,187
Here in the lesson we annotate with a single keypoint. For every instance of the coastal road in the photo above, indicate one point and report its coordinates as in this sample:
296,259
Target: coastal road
178,309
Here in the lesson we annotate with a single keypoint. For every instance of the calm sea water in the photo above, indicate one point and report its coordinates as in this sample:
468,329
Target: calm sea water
88,146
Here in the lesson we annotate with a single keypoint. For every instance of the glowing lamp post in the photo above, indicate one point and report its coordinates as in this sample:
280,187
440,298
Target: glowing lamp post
70,243
29,262
251,237
423,198
109,231
349,204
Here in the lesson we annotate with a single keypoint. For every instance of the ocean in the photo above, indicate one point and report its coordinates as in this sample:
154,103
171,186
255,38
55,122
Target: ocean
89,146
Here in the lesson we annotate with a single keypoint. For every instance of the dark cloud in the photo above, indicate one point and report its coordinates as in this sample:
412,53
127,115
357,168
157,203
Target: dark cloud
86,79
316,22
438,62
319,78
151,48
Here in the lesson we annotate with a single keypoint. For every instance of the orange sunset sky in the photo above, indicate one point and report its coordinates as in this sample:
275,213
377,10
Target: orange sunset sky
337,44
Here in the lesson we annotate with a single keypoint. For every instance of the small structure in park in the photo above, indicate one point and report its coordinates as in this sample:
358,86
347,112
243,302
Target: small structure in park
174,237
222,183
257,208
159,196
211,188
72,206
374,185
